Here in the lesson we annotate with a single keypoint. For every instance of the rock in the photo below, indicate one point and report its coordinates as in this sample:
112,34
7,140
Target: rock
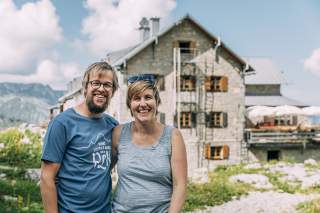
200,176
310,162
253,166
258,181
311,182
266,202
33,174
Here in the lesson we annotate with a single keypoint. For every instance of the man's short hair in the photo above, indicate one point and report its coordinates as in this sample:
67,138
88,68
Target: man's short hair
97,68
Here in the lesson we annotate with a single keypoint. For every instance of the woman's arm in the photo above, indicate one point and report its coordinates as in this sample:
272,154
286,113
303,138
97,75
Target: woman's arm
179,172
115,140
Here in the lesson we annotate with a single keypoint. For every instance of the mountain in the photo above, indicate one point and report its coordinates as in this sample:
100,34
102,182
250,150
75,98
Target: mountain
25,103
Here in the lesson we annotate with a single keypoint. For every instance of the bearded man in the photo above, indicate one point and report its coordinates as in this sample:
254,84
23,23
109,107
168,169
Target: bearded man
76,155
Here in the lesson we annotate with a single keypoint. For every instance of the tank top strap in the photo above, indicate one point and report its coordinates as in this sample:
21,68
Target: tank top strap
125,135
165,139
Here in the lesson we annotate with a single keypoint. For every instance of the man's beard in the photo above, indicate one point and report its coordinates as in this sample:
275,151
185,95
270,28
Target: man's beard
93,108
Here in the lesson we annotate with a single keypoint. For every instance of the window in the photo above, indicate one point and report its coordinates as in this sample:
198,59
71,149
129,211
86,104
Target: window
186,47
216,83
187,119
187,83
216,152
216,120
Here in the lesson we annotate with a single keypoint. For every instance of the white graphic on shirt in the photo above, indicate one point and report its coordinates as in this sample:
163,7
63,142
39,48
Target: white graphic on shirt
101,153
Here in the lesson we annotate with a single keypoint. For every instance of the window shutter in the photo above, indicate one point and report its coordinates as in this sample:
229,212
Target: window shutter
207,83
193,119
224,119
209,122
175,44
162,118
160,82
194,81
224,84
207,151
225,152
192,46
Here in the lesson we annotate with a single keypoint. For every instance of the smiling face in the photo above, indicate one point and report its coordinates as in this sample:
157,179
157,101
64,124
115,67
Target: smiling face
143,106
98,98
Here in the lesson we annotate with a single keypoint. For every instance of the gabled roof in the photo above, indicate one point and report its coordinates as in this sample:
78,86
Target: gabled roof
271,101
266,72
120,57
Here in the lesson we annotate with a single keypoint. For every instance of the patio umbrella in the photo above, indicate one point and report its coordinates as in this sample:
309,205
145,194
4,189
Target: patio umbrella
287,110
256,113
312,110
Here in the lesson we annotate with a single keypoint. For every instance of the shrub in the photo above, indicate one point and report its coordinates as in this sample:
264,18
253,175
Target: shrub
20,150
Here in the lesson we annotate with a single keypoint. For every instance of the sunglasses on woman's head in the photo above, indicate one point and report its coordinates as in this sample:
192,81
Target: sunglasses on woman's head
143,77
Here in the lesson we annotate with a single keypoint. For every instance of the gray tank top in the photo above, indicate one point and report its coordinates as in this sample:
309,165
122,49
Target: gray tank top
145,180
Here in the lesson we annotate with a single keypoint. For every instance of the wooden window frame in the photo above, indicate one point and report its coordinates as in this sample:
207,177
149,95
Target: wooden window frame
187,120
216,120
212,152
187,83
216,83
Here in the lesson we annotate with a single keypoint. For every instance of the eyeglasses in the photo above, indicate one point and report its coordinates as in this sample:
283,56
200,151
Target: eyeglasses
143,77
97,84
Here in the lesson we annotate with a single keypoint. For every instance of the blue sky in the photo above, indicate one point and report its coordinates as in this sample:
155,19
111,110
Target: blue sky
52,41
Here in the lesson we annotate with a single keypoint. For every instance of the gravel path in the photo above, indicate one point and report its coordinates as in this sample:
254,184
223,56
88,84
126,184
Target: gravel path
262,202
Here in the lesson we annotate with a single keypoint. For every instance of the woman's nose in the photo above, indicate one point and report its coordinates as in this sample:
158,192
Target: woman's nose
142,102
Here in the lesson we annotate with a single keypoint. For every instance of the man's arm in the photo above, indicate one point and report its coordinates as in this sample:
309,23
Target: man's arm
179,172
48,186
115,141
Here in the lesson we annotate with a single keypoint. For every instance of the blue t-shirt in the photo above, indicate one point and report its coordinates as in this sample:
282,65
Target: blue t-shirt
82,147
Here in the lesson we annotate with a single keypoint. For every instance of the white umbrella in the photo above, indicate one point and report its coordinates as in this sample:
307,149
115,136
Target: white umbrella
312,110
258,111
287,110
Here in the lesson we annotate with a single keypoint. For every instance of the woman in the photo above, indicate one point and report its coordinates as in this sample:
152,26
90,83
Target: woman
152,165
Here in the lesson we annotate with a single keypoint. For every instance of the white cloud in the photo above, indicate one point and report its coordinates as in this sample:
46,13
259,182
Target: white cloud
113,24
47,72
313,62
26,34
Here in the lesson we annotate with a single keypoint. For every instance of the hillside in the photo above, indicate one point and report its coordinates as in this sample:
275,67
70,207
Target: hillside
25,103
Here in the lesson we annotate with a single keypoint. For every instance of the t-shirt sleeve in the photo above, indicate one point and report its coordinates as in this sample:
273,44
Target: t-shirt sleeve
55,142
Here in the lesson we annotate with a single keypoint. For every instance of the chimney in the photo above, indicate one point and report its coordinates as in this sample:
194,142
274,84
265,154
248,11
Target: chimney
155,25
144,29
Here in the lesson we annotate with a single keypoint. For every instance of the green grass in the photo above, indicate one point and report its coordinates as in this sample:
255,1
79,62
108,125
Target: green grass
309,207
26,191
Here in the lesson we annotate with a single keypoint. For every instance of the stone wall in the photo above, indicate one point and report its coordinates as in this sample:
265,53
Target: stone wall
297,154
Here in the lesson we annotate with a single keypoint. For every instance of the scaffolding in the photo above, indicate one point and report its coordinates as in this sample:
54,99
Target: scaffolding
185,64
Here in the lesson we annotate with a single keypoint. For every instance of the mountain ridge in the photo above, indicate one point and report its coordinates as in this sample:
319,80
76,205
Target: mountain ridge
26,103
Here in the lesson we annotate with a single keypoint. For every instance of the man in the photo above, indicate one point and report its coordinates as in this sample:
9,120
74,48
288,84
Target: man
75,170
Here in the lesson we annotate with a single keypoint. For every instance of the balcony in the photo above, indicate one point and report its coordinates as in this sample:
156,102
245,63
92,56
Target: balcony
280,138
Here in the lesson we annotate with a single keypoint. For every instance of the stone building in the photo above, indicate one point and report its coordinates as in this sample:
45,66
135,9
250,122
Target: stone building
201,83
280,137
